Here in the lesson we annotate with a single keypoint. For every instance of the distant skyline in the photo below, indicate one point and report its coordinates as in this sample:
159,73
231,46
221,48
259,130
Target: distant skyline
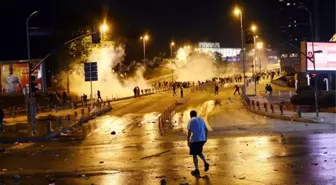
181,21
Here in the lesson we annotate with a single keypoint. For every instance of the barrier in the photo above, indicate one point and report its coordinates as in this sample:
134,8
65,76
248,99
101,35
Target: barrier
272,108
265,106
49,128
258,105
281,109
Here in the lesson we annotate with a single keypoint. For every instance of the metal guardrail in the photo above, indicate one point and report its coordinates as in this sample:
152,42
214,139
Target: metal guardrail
262,106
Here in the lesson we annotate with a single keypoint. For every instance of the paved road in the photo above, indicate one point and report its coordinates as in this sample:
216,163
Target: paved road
137,154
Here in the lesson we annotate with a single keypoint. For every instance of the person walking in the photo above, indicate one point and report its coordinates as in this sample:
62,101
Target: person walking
216,88
267,89
174,89
181,90
98,96
197,137
236,90
270,89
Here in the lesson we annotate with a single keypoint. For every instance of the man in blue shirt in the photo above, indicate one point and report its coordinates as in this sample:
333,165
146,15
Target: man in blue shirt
197,137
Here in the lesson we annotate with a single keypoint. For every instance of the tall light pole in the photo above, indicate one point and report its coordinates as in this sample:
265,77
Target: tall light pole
144,39
239,13
254,30
31,112
313,40
259,47
172,44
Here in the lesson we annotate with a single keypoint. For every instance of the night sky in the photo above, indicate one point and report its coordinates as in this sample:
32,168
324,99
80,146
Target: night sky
181,20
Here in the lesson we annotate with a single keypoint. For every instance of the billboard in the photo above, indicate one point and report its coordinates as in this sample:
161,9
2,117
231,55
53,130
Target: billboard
325,56
14,77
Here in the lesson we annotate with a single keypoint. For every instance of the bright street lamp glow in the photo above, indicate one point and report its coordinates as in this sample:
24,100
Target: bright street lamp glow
237,11
259,45
104,27
254,28
146,37
172,43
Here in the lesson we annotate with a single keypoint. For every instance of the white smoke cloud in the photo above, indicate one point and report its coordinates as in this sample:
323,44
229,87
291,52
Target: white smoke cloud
109,84
193,65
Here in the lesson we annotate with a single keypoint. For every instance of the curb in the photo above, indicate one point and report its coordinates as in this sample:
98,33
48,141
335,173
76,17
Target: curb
30,139
276,116
54,134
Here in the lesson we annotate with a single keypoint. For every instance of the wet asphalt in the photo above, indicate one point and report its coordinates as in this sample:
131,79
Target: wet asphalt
138,154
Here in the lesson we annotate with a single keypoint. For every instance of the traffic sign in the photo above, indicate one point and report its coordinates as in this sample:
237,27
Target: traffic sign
91,71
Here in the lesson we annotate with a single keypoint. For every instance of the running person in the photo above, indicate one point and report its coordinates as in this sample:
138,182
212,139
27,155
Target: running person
197,137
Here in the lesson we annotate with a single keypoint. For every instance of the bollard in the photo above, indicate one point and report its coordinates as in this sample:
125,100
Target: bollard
248,102
281,109
49,129
265,106
75,114
290,93
253,105
68,117
82,112
59,123
299,115
272,108
89,110
279,93
258,105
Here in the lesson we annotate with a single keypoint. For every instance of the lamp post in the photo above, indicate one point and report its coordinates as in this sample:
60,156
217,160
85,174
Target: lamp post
313,40
254,30
30,112
144,39
239,13
172,44
103,29
259,47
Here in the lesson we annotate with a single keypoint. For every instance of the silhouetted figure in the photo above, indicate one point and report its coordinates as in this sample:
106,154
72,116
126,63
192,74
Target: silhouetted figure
236,90
98,96
64,97
216,89
181,91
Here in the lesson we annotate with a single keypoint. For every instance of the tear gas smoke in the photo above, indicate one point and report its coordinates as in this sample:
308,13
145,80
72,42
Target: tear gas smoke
193,66
109,84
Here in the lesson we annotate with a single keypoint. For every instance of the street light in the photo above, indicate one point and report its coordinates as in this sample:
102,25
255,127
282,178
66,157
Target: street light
260,46
313,40
172,44
254,30
144,39
103,29
31,115
239,13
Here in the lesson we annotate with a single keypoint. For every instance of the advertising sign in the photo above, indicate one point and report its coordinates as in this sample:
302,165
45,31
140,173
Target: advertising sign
14,77
325,56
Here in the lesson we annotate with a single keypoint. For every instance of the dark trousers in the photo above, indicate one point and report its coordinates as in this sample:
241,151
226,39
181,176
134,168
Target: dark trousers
181,94
236,92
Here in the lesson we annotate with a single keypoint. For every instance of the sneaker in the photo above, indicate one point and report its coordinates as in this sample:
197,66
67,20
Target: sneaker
206,167
195,173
